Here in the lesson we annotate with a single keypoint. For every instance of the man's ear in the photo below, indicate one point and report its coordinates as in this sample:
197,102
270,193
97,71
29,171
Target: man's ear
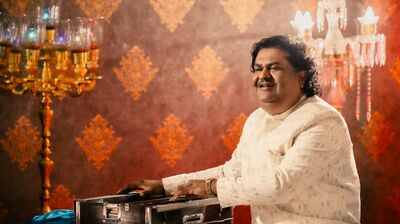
301,77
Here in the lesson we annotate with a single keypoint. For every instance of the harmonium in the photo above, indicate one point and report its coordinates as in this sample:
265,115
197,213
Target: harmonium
134,209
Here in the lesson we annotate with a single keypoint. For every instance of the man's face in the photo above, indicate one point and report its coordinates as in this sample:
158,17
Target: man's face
276,81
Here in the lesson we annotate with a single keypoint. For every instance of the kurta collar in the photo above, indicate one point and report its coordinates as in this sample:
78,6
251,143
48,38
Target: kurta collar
286,113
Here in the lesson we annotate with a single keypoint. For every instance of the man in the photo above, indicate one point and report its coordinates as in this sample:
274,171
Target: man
294,162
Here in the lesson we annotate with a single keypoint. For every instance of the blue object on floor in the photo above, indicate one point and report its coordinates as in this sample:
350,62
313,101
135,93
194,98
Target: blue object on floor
62,216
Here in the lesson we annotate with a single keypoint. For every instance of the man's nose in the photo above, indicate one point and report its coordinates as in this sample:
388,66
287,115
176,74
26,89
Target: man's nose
265,73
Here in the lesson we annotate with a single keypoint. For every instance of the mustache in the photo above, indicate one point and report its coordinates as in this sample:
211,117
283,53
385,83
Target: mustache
261,81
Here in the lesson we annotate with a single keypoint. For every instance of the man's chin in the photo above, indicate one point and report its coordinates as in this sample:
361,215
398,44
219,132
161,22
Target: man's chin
266,98
266,101
269,102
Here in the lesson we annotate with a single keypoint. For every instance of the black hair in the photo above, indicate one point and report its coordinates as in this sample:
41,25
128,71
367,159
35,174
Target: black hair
297,56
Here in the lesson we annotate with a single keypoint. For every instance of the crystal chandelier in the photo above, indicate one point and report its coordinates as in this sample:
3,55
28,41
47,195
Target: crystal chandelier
343,60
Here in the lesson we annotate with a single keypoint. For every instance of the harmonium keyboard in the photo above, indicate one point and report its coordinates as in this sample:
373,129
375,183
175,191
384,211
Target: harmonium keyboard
134,209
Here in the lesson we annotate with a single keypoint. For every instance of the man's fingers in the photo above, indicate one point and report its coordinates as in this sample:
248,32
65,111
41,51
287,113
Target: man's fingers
144,188
179,192
123,191
130,187
175,196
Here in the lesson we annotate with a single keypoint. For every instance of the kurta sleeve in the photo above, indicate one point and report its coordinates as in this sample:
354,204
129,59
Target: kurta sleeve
317,147
231,168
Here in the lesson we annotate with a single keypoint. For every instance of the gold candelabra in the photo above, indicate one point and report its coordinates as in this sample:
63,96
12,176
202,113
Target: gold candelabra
49,58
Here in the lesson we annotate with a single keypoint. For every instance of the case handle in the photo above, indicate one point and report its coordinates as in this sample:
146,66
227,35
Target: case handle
193,218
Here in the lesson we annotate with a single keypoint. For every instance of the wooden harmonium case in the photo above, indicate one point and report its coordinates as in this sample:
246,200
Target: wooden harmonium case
133,209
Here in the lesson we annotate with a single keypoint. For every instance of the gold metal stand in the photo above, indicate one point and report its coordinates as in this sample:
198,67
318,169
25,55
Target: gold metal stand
47,74
46,164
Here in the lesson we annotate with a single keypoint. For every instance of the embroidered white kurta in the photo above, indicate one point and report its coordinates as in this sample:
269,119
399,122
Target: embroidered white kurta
292,168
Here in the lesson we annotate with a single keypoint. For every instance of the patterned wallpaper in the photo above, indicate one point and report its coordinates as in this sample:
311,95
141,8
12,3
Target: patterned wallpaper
175,93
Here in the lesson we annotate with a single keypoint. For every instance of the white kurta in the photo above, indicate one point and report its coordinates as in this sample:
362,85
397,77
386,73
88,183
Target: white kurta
292,168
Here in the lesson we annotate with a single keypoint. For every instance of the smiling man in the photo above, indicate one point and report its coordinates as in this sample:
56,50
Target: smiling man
278,84
294,162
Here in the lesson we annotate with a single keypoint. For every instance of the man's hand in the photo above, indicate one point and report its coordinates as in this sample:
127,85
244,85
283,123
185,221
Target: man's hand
147,187
193,187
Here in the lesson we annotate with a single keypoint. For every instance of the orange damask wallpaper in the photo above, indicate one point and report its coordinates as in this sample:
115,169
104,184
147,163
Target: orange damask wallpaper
23,142
135,72
171,12
61,198
233,132
395,72
171,140
376,136
98,141
175,93
242,12
207,71
98,8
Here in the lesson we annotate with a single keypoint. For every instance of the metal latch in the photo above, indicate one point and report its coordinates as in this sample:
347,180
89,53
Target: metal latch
112,211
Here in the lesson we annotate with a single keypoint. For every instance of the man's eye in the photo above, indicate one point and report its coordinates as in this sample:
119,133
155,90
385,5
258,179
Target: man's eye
275,68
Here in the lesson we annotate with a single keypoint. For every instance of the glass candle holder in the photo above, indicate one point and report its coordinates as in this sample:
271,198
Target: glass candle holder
12,39
30,42
80,44
62,43
96,40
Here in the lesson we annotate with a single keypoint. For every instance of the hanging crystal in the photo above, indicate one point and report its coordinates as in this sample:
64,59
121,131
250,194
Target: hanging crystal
337,92
331,7
369,104
342,14
358,99
320,16
381,55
